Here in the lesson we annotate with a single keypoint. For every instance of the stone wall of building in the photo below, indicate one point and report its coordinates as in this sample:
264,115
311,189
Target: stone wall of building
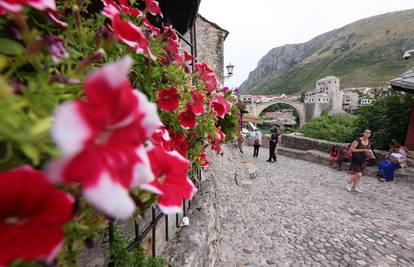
314,110
210,45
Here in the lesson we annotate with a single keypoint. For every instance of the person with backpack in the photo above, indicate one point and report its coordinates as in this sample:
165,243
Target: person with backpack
272,145
257,142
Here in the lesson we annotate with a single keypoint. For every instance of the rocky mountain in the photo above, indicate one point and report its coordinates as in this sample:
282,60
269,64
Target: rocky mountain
364,53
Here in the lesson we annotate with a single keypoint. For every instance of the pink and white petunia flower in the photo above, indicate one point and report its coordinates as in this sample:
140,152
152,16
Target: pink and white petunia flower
161,137
187,117
153,7
128,32
173,47
124,6
17,5
171,181
220,105
101,139
197,102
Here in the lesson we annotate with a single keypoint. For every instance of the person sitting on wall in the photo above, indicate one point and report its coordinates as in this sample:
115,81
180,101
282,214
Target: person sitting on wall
344,156
333,156
391,163
403,152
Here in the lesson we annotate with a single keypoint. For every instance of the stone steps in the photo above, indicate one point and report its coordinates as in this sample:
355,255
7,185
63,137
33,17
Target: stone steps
316,156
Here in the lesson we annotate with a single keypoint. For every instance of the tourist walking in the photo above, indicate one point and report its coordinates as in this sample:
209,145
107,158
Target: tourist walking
361,149
257,142
273,144
240,140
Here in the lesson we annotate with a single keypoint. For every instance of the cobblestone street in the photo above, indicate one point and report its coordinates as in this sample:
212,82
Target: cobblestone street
297,213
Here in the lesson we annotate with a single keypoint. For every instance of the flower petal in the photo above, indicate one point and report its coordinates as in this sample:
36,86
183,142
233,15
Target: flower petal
110,197
151,121
69,129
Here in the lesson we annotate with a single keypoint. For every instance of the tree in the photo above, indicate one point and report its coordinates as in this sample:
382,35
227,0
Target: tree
387,117
337,128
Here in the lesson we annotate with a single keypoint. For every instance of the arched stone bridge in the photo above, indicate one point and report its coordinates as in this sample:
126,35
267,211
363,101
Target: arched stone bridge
256,109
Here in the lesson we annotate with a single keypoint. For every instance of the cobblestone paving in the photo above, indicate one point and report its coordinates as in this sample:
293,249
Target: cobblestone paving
297,213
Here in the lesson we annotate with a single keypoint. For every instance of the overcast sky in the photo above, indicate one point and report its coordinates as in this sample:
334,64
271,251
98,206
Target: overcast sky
259,25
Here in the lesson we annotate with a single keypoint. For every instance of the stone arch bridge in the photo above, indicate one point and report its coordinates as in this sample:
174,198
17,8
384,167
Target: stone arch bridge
256,109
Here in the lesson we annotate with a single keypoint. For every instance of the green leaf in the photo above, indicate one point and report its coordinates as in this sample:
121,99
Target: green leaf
31,152
10,47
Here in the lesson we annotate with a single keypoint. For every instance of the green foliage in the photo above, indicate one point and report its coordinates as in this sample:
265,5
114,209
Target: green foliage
32,86
135,258
230,124
387,117
337,128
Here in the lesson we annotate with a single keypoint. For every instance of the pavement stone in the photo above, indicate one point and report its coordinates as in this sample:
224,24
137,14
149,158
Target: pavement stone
297,213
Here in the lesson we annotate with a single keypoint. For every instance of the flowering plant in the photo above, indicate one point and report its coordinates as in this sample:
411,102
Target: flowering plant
105,106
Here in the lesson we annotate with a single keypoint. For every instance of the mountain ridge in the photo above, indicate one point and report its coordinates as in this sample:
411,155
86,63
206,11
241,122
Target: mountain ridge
367,52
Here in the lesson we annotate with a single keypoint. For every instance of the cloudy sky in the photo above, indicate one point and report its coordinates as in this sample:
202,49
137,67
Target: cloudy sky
259,25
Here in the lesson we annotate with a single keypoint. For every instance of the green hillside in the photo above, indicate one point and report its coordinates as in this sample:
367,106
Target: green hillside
364,53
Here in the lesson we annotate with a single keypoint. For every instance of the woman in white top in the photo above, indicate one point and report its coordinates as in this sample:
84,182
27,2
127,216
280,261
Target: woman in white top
391,163
257,142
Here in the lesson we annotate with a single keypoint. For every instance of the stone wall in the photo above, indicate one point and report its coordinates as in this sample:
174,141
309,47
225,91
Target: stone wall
306,143
314,110
210,45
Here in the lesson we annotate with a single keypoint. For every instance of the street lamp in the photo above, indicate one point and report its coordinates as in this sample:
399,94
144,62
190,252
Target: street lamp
229,68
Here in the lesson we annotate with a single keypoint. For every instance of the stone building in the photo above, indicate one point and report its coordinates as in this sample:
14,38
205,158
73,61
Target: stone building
326,94
315,104
210,44
350,100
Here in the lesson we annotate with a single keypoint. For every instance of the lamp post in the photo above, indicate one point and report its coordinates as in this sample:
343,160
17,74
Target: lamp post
229,68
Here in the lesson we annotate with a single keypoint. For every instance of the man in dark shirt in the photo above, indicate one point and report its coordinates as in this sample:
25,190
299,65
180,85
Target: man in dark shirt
272,145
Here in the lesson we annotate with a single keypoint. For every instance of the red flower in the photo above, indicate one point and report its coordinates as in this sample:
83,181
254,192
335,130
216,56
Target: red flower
216,146
101,139
202,68
173,47
32,214
128,32
17,5
188,56
202,160
179,143
210,82
187,118
124,6
220,105
162,138
197,103
171,180
168,99
151,28
153,7
220,136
